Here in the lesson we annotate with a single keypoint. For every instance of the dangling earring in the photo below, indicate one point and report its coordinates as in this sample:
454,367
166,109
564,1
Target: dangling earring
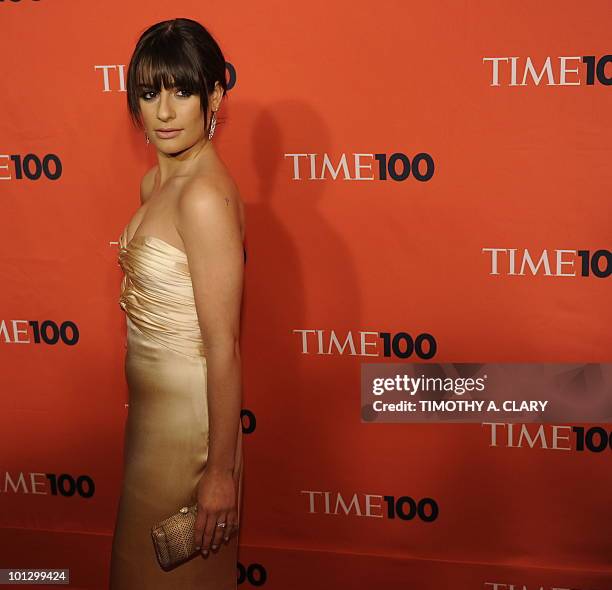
147,137
213,123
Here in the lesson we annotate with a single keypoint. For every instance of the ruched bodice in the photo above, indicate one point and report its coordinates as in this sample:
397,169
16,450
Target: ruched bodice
157,293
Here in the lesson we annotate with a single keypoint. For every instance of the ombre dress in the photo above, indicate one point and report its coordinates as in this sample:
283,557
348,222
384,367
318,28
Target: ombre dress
166,433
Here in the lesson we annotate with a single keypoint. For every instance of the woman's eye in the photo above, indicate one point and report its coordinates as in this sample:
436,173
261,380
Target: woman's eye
184,94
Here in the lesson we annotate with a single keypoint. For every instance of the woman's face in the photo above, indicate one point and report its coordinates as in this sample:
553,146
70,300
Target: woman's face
178,112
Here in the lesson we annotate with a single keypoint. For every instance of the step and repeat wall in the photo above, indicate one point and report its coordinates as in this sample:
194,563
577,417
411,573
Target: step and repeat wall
408,169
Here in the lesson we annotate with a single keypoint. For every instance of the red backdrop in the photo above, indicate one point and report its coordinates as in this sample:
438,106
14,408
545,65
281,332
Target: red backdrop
471,132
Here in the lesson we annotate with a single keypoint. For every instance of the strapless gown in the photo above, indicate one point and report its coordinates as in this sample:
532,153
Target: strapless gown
166,432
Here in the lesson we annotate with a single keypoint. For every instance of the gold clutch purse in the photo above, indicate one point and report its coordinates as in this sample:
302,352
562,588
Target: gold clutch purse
173,537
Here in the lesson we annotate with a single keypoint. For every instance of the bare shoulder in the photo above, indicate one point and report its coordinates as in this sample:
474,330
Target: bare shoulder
213,200
147,183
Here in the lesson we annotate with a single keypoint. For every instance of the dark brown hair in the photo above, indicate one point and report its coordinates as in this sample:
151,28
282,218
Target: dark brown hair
177,53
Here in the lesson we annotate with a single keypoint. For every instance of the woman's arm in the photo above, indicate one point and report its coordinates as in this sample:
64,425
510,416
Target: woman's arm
208,221
209,224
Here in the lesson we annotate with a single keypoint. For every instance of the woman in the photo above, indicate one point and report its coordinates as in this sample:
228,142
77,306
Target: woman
183,258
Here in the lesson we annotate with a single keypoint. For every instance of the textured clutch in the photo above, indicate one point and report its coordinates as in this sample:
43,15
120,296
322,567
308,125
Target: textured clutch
173,537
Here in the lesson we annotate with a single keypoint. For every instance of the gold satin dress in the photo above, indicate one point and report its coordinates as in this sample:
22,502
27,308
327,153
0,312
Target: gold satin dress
166,432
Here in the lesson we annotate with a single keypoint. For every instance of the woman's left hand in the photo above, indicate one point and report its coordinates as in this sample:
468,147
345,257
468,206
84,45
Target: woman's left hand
217,503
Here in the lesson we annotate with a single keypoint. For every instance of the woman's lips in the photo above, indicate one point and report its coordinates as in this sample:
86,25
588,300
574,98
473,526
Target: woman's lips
167,134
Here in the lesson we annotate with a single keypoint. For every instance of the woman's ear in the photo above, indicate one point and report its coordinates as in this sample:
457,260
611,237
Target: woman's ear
217,95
